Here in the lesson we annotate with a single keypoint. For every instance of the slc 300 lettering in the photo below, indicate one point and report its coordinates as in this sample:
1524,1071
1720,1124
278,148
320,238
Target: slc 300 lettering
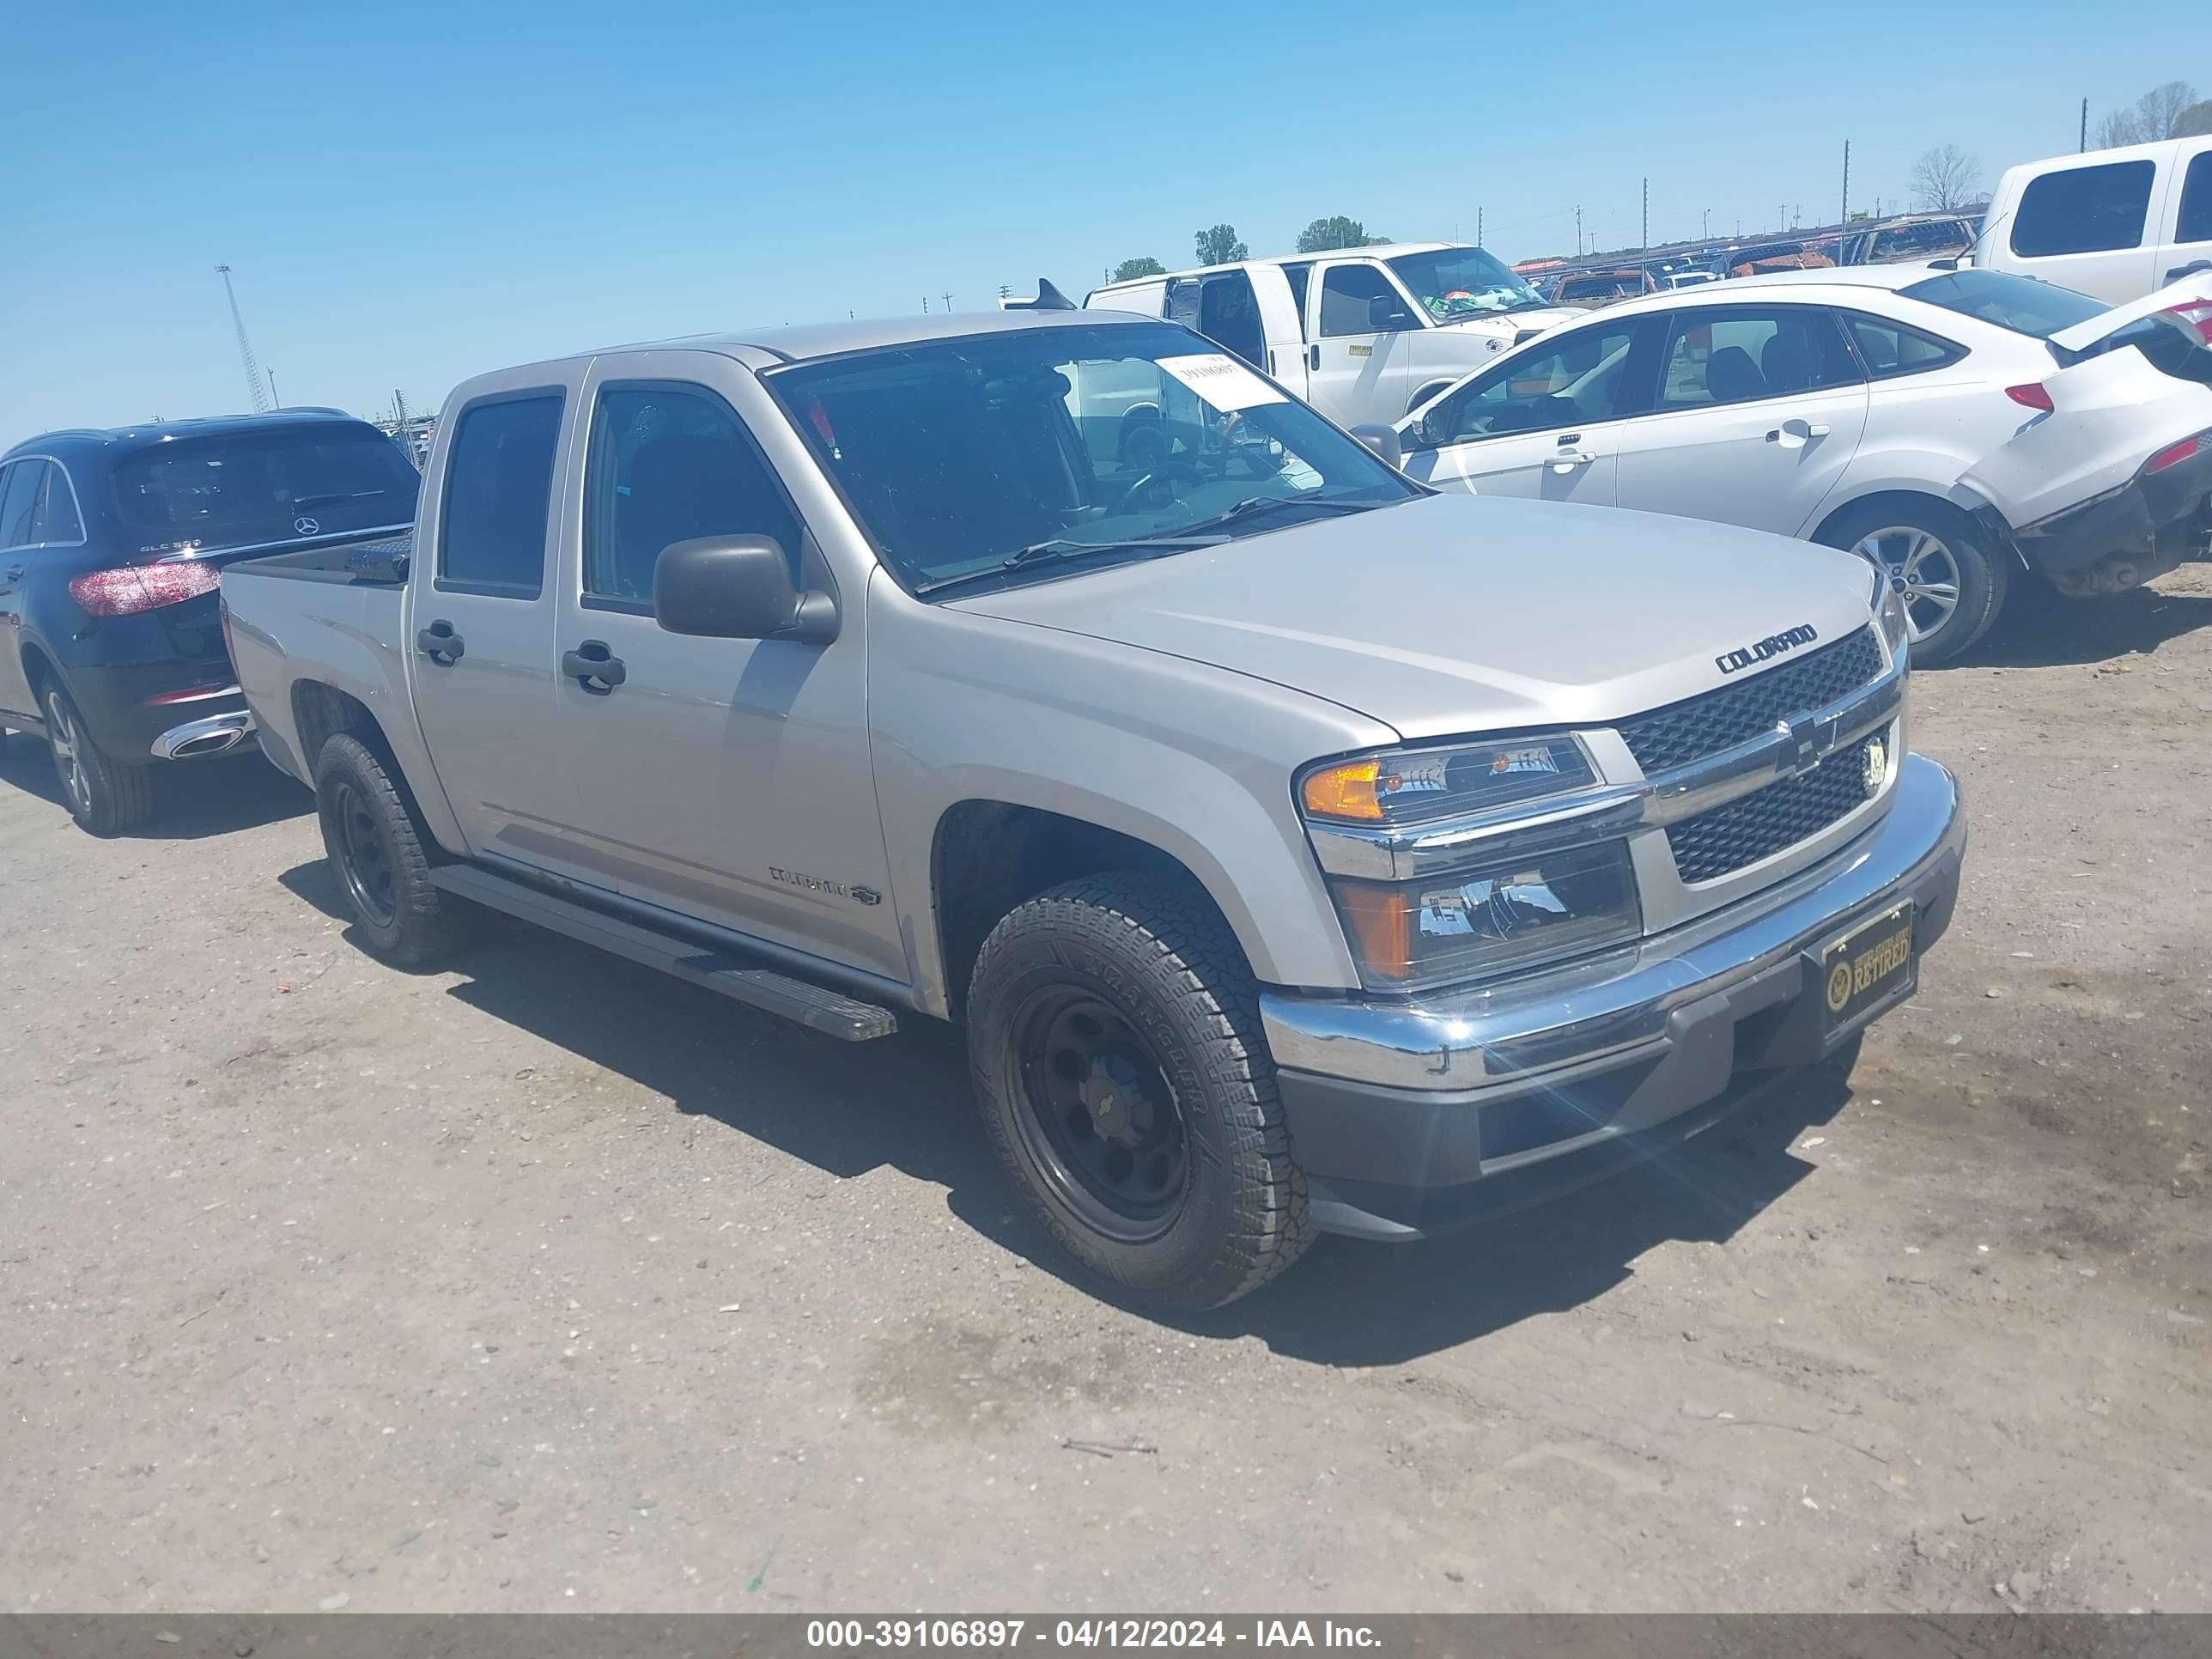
1730,662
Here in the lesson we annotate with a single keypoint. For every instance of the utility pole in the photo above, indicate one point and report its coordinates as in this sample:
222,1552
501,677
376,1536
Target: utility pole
1709,224
925,305
948,301
1478,224
1844,217
1647,214
2085,123
245,348
1578,231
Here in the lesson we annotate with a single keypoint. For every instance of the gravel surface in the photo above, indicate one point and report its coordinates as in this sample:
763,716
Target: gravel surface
552,1284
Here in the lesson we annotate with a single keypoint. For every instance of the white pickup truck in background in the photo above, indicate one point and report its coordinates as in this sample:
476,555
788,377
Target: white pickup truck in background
1361,334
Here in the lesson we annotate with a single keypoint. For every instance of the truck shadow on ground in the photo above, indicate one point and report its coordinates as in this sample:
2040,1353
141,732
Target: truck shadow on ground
192,799
903,1101
2038,629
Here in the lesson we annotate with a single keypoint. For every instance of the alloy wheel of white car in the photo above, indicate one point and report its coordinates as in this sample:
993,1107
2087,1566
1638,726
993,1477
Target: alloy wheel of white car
1921,568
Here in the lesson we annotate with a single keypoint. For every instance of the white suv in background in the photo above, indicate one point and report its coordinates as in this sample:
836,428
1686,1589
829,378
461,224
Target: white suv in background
2116,224
1361,334
1949,426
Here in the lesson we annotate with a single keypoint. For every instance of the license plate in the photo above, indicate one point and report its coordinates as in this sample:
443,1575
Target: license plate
1867,968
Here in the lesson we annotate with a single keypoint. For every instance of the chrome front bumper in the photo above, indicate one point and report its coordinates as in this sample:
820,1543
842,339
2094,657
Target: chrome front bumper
217,734
1395,1093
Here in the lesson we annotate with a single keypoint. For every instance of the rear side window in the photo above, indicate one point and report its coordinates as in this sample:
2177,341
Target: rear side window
1889,349
54,520
1229,315
499,486
19,499
2196,222
670,463
1182,302
1741,354
1296,276
2084,210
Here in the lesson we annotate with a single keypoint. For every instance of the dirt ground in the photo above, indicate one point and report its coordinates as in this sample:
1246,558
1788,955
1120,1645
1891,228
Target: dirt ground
552,1284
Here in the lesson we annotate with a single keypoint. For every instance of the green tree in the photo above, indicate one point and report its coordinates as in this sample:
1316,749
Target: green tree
1335,231
1143,265
1219,246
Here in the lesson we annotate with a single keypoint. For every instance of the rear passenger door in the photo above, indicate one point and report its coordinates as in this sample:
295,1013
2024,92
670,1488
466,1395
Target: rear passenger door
2189,216
726,780
20,483
482,665
1759,411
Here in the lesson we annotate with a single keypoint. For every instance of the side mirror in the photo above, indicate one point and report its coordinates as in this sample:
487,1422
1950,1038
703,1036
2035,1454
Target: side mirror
1382,439
1387,315
736,587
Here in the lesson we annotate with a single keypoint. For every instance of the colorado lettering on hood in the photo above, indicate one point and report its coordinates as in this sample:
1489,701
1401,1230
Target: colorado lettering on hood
1730,662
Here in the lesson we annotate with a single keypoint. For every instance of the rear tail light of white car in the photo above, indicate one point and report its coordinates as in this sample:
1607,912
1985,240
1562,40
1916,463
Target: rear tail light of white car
2030,395
134,588
2197,314
2175,454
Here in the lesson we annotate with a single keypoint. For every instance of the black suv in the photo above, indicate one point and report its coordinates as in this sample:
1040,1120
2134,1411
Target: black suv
111,547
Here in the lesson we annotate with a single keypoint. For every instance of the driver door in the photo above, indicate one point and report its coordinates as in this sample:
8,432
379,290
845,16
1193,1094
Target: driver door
1547,423
1360,366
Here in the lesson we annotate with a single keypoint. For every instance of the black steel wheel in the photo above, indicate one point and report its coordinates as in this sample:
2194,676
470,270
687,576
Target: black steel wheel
363,853
381,859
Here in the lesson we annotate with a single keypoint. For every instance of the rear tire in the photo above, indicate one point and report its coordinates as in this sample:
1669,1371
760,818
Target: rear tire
104,795
1114,1035
1931,546
377,854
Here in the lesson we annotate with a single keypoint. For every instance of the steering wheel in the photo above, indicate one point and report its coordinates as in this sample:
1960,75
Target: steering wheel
1161,473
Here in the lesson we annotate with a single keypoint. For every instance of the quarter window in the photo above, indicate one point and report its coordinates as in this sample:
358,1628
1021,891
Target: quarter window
1348,294
2196,219
2084,210
1740,356
668,464
1889,349
19,499
55,519
1582,376
499,485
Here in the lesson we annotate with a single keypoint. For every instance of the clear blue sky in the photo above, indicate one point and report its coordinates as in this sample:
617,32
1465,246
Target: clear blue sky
410,194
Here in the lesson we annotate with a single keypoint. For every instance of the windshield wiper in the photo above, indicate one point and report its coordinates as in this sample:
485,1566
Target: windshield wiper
1061,548
1252,504
336,495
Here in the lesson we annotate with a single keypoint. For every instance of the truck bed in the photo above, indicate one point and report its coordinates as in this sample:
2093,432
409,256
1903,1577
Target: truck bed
379,563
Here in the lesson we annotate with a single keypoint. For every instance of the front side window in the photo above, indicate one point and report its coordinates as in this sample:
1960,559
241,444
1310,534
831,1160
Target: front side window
2195,224
1890,349
1740,354
1581,376
1455,283
1017,456
264,484
499,486
670,463
2084,210
1359,300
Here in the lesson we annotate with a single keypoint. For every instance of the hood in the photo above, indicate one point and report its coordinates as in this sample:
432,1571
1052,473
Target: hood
1513,323
1458,614
2196,286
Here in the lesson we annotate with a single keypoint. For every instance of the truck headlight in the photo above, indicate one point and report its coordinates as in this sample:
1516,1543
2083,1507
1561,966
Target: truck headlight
1889,615
1484,911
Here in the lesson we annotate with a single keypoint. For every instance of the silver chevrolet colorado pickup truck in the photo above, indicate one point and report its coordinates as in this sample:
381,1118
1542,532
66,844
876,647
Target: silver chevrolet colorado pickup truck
1297,848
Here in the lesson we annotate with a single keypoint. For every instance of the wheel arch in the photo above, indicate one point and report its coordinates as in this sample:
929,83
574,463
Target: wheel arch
321,711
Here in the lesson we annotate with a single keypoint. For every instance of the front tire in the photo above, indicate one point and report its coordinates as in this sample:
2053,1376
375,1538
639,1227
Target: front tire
378,853
1953,580
104,795
1114,1035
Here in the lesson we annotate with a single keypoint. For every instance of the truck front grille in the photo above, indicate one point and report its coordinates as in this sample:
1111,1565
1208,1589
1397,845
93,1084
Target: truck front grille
1764,822
1706,724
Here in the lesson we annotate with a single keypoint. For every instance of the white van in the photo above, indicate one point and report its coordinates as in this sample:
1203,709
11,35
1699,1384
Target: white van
2116,224
1361,334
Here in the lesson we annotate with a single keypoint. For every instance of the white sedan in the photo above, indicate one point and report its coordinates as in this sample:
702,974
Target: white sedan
1952,426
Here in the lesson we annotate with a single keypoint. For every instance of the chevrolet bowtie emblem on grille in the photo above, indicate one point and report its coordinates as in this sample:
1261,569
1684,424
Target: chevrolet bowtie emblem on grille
1803,750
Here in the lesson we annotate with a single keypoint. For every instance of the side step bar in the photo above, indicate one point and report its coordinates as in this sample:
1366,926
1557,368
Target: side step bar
734,975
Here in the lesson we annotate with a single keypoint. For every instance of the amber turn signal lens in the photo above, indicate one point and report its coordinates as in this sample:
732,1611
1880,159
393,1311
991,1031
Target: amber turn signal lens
1344,792
1381,924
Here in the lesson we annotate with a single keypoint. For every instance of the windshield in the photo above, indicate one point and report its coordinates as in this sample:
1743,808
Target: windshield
2020,303
268,484
1457,282
1072,447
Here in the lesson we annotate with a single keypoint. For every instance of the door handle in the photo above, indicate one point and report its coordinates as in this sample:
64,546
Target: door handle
1566,460
2191,269
15,573
592,661
1795,433
1313,358
440,643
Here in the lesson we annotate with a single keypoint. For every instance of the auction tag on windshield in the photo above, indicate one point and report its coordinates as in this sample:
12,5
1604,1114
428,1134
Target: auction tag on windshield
1221,380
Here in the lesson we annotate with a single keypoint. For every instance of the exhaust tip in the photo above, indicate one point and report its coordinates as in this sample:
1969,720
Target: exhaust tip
213,743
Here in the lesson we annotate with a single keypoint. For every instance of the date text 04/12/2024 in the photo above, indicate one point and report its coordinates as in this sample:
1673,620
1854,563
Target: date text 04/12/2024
1012,1633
